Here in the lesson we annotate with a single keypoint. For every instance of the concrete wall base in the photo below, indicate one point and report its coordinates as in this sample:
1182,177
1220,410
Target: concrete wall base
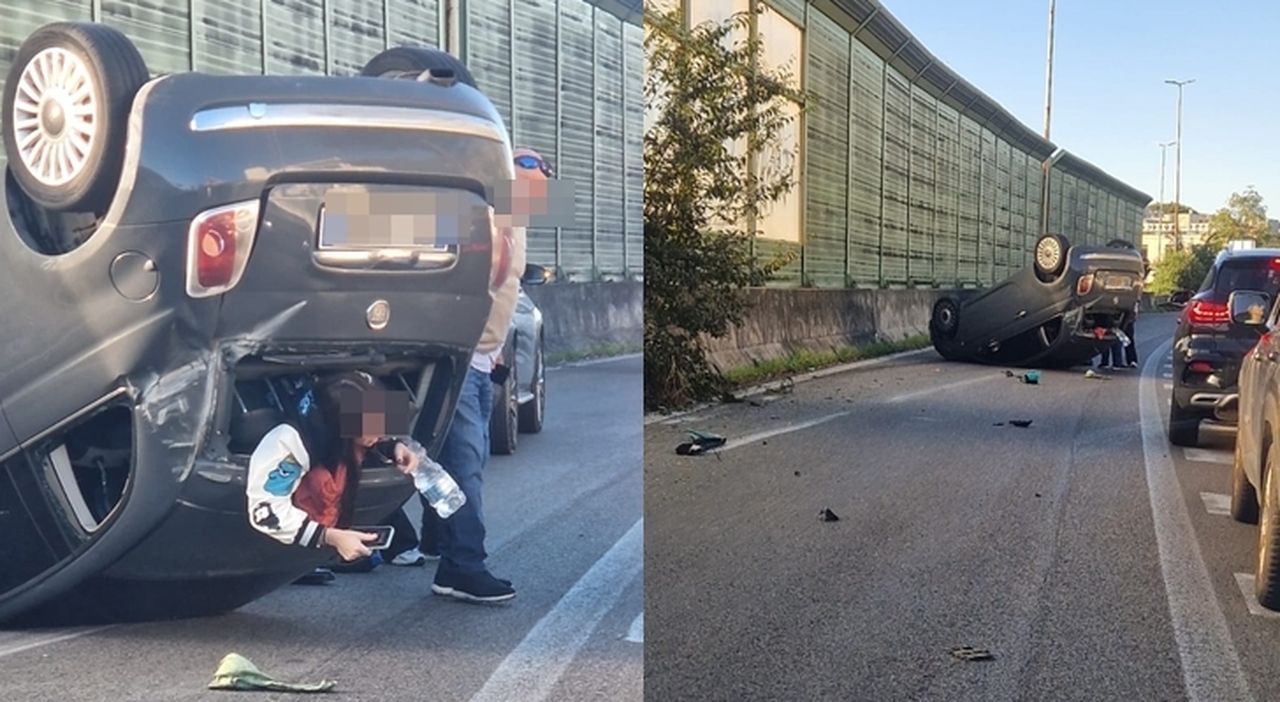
582,317
782,321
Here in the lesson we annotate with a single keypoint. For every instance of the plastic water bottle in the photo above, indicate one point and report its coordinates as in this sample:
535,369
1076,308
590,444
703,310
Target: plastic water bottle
440,489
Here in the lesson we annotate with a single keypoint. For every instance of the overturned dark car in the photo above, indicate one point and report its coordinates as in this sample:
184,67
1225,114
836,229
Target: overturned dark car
1062,310
179,257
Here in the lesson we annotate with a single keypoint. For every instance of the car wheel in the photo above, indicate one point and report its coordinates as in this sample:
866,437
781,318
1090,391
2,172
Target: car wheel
1267,579
532,412
945,320
66,108
1184,425
411,61
1050,257
502,422
1244,499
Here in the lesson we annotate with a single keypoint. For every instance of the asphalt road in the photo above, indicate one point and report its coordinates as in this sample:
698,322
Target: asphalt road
565,524
1089,558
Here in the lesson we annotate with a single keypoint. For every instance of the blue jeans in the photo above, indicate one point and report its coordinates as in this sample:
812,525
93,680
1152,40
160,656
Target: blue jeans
464,455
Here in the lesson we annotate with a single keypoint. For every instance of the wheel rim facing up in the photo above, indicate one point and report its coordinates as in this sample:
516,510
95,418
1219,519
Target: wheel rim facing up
55,116
1048,253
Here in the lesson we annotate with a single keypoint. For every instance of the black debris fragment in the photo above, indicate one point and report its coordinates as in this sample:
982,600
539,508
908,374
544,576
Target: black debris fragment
797,473
1023,423
1037,494
826,515
969,653
998,424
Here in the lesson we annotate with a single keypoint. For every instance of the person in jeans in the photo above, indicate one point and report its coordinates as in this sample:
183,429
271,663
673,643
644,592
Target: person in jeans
462,572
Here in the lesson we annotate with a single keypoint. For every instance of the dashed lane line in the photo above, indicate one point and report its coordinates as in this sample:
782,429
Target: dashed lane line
1218,456
635,634
12,642
1246,582
1215,503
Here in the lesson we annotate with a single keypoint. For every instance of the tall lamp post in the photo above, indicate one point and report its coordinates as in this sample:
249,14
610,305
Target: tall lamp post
1163,148
1048,105
1177,168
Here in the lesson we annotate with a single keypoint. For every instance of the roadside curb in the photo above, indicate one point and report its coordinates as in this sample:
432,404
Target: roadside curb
654,417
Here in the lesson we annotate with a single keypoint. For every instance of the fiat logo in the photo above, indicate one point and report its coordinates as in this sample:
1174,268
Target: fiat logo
378,314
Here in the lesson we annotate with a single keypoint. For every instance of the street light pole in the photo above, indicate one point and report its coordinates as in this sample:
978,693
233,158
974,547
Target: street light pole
1177,169
1163,148
1048,108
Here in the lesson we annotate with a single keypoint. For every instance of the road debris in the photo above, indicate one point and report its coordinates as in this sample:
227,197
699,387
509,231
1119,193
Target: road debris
969,653
1021,423
1091,374
826,515
1031,377
236,672
700,442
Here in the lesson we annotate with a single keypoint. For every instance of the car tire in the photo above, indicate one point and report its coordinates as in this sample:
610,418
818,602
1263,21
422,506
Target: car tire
1244,498
1050,257
503,419
63,65
1267,573
1184,425
533,411
411,61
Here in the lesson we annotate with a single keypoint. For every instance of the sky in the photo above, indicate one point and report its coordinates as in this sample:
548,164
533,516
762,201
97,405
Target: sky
1111,106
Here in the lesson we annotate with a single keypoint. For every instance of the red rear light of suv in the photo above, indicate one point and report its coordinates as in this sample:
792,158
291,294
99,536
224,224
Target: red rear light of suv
1207,313
218,246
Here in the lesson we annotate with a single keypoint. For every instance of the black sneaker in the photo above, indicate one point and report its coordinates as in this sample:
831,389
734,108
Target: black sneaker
473,587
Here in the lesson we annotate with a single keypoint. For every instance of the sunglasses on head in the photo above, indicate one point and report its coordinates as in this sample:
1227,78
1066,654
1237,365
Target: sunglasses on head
531,162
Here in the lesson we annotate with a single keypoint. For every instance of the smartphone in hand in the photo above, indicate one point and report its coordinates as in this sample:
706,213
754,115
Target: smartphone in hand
385,534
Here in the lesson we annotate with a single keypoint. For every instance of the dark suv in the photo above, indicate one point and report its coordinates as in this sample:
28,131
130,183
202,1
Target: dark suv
1208,345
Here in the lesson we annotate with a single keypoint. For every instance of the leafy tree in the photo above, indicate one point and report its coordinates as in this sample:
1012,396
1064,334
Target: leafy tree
1244,218
714,111
1170,208
1182,270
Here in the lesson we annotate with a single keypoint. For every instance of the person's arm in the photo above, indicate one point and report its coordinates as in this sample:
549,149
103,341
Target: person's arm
275,471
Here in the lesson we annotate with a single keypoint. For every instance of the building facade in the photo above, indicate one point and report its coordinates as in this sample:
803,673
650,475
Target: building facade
910,176
566,75
1158,233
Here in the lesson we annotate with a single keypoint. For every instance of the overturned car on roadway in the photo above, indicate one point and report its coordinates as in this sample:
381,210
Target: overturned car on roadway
1062,310
180,256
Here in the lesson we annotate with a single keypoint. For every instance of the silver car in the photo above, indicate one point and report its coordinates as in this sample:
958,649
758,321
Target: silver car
520,402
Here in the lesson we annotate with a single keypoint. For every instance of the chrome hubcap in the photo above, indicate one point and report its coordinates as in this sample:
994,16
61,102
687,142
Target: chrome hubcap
55,113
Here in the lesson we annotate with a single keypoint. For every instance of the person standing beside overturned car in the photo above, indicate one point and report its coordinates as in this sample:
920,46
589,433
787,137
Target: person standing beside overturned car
462,572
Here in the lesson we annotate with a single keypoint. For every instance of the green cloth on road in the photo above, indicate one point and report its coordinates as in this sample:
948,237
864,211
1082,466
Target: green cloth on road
236,672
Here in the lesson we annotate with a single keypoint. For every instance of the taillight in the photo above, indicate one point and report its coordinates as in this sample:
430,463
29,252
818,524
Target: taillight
1085,284
218,246
503,243
1200,367
1206,312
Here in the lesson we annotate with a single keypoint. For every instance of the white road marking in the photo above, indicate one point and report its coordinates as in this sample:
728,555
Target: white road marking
762,435
1168,386
597,361
1209,456
1246,582
636,633
941,388
1216,503
12,642
529,673
1211,667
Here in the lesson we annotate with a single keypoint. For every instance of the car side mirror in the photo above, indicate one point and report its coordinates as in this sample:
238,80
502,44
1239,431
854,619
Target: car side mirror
1249,307
535,275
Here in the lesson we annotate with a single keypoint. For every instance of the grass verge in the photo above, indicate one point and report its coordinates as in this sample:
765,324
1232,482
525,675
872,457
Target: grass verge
805,361
594,351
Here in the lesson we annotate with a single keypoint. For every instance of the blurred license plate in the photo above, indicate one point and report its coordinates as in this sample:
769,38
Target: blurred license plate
362,219
1113,281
